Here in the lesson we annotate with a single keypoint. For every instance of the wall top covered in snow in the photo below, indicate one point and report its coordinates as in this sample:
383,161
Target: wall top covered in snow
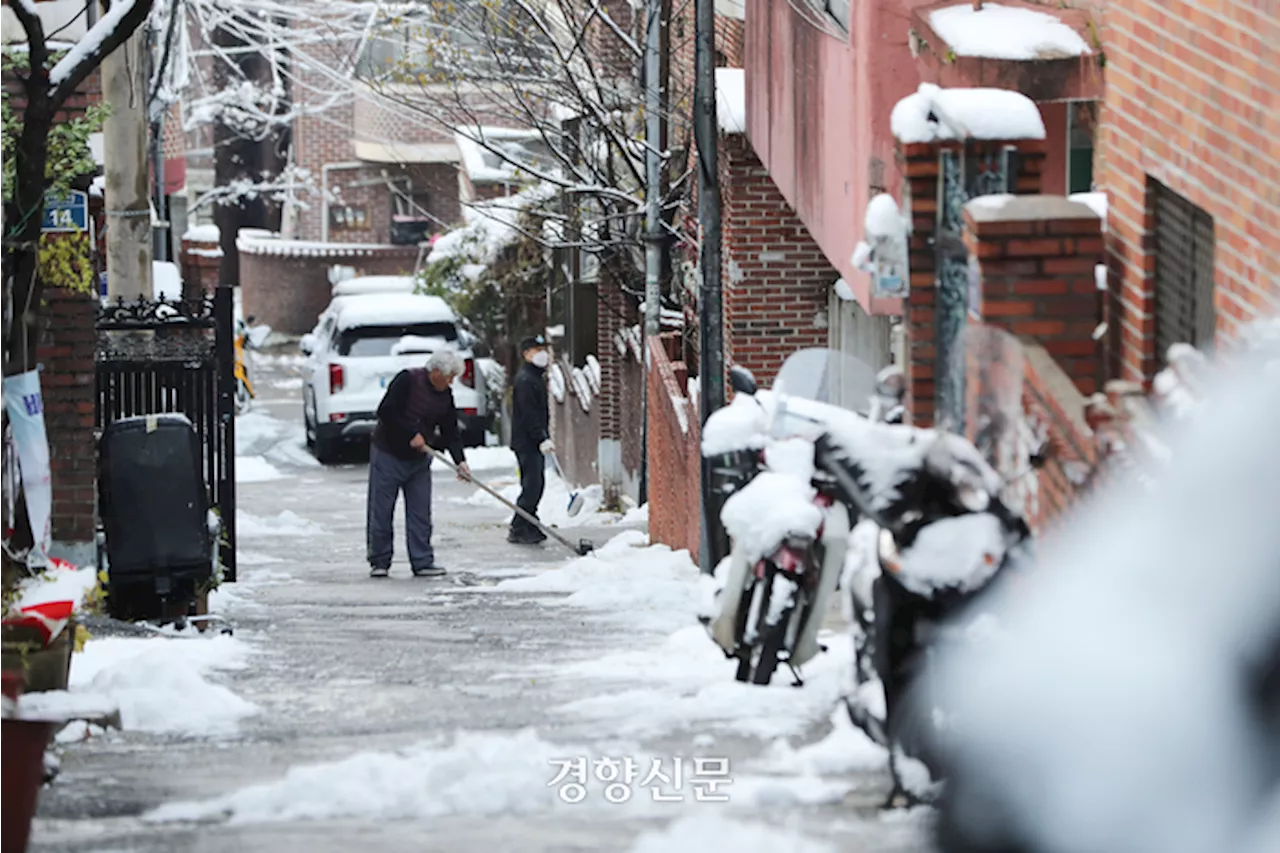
260,242
1006,32
934,113
731,100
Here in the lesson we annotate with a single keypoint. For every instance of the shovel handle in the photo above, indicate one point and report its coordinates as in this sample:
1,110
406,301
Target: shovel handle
520,512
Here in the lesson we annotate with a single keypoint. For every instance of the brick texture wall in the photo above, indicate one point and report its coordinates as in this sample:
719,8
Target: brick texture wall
674,458
1036,257
65,352
919,163
365,188
288,292
1052,400
199,268
777,280
1190,102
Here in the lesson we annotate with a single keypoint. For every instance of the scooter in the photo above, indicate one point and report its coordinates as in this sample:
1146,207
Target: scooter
248,336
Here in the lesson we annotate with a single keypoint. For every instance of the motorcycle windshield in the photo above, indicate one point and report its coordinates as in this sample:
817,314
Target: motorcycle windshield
828,376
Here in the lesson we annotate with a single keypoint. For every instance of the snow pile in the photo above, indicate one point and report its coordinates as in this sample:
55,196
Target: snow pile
1097,202
933,113
393,309
1131,682
364,285
56,584
653,586
1006,32
636,515
418,345
203,234
731,100
255,469
845,751
773,506
491,459
960,553
712,831
491,227
159,684
286,523
477,773
553,509
883,218
273,441
741,425
166,281
690,687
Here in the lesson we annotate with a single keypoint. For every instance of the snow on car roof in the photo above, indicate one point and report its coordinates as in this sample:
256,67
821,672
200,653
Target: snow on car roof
375,284
387,309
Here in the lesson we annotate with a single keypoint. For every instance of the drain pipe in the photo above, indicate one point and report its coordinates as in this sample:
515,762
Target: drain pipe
324,193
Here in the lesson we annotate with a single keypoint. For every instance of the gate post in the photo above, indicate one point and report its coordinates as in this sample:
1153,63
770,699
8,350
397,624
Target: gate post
224,353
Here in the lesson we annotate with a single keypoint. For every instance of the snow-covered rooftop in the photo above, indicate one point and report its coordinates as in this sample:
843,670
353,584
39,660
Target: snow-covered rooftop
264,243
731,100
496,154
1006,32
202,234
934,113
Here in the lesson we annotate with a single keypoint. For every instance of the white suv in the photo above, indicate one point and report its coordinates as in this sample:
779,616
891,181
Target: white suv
361,342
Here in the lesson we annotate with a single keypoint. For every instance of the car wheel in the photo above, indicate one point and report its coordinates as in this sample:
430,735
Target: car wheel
308,426
325,448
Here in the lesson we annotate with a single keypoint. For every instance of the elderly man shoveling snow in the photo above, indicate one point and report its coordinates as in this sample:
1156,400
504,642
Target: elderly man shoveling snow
418,405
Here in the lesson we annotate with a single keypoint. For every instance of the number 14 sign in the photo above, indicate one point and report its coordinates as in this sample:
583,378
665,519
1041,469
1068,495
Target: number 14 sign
66,213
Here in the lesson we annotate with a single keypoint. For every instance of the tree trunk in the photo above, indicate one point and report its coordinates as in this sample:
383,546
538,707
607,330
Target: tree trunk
26,217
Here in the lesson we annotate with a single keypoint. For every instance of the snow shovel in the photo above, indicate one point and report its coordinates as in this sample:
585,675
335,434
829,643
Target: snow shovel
584,546
575,497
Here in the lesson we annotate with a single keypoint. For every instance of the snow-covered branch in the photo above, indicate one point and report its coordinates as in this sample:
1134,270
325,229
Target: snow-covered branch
109,32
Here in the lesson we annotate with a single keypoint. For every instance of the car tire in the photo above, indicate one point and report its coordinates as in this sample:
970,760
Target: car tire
326,448
308,433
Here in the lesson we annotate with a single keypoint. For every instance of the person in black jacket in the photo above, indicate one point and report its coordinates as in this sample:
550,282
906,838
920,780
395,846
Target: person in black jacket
530,438
417,405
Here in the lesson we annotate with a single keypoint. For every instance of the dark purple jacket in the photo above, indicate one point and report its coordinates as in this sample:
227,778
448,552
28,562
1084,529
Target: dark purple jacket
412,406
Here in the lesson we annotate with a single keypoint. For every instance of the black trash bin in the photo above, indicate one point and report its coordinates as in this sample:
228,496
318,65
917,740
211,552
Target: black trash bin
154,508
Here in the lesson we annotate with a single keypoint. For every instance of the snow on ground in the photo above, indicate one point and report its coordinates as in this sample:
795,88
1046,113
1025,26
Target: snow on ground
653,586
698,833
159,684
491,459
846,750
553,509
273,441
286,523
636,515
255,469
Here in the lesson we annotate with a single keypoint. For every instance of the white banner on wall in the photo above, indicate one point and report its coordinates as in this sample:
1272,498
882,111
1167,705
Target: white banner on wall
25,405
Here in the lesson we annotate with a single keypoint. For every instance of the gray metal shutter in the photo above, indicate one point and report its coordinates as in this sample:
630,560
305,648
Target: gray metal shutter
1184,272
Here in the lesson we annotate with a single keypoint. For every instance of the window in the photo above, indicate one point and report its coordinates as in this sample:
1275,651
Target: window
1082,117
374,341
1184,271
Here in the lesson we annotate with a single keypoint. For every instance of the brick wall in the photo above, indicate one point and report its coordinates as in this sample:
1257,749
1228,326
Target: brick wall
777,280
365,188
919,163
65,352
199,268
674,458
288,292
1053,402
1190,102
1036,256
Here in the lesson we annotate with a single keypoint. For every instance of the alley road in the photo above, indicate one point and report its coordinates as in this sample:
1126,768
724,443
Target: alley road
428,715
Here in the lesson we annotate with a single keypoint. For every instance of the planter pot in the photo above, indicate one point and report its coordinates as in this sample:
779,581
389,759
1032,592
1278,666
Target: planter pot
45,668
14,680
21,773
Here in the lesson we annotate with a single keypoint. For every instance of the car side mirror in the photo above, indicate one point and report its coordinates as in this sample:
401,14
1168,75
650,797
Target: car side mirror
742,380
307,344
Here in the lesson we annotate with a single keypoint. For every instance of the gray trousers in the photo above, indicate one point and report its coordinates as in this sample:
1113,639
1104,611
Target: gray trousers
388,476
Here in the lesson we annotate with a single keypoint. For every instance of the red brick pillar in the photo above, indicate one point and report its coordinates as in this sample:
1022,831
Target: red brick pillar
200,260
1036,256
921,168
65,352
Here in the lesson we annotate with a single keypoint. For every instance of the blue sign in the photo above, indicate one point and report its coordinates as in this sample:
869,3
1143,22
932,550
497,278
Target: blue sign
69,213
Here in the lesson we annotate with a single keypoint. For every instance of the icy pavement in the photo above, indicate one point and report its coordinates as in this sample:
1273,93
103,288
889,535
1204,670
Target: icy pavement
349,713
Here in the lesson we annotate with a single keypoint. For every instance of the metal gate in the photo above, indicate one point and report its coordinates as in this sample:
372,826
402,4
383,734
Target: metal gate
1184,272
161,357
965,174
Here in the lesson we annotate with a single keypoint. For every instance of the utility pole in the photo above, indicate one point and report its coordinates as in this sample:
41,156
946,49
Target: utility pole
711,338
653,170
125,144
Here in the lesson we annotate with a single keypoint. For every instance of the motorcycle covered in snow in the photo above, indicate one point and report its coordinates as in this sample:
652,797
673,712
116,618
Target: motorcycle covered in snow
922,562
783,515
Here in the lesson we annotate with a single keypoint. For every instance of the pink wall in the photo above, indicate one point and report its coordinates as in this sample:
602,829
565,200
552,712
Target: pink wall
818,112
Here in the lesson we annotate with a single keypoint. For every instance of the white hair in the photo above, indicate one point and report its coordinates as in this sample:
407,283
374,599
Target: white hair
445,361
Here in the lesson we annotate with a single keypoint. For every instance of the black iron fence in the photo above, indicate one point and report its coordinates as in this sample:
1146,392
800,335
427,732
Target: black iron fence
163,356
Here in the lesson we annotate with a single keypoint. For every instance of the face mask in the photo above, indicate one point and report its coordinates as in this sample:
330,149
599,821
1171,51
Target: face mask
541,359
